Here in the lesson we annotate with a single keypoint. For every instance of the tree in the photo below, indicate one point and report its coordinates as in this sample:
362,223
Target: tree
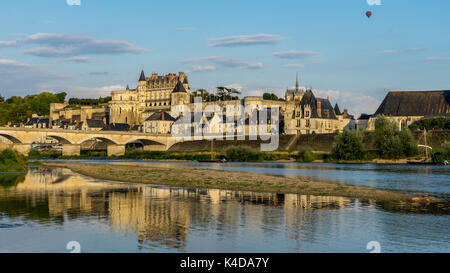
270,96
391,143
348,146
409,145
17,109
439,123
2,99
305,154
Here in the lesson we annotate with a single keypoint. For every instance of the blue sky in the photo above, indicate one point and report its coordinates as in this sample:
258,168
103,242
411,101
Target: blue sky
91,49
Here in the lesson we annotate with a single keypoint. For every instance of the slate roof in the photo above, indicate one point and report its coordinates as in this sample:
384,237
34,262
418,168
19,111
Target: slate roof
310,99
160,116
142,77
179,88
415,103
337,111
365,116
94,123
117,127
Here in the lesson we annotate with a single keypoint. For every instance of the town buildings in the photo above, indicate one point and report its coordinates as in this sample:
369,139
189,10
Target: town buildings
159,96
407,107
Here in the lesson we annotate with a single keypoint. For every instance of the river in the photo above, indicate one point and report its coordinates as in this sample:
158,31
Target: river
45,209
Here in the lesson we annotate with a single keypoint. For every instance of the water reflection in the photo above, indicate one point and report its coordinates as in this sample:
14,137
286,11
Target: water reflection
159,217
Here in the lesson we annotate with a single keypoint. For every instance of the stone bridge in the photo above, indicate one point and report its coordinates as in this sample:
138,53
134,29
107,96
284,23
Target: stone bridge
71,140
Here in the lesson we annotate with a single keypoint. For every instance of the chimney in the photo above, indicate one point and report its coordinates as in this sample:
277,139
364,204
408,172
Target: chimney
319,108
345,112
162,115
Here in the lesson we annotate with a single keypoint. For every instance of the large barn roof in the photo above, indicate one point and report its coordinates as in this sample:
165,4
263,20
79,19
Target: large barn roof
415,103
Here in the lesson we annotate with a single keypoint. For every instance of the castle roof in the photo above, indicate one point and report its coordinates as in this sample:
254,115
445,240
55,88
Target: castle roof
142,77
415,103
337,111
160,116
95,123
326,109
179,88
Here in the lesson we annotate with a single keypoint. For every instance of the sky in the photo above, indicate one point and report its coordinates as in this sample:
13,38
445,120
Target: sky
88,48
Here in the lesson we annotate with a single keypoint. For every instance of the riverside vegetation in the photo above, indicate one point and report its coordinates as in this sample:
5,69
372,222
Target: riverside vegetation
12,168
386,143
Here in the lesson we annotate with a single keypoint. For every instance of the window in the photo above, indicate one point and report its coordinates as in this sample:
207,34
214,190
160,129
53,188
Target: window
307,114
308,123
298,123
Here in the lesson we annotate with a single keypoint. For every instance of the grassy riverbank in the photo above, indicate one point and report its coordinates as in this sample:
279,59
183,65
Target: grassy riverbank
12,161
230,180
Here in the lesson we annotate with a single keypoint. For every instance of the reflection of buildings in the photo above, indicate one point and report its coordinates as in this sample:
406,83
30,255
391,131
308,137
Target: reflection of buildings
162,215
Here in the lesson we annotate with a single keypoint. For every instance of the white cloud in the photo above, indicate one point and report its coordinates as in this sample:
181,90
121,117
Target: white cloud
201,68
355,103
66,45
17,78
213,63
437,59
8,64
79,59
245,40
399,51
295,54
185,28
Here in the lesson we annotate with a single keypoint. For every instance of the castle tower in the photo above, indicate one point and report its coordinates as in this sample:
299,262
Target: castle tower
297,85
142,82
179,95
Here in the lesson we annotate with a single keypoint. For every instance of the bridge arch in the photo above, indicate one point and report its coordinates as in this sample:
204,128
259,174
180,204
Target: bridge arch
145,141
11,138
60,139
104,139
147,144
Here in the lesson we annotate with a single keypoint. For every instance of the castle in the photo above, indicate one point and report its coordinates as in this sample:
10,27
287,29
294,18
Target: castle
148,108
300,112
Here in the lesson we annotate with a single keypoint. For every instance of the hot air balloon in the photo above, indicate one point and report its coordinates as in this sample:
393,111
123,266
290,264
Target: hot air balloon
368,14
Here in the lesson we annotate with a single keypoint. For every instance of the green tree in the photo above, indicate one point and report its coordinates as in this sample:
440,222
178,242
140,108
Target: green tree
439,123
270,96
391,143
18,109
305,154
348,146
409,145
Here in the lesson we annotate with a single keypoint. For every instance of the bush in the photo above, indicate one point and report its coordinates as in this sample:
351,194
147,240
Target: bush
391,143
442,154
243,154
439,123
409,145
12,161
305,154
348,146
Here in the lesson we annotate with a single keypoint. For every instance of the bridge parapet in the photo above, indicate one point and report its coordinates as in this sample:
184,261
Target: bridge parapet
72,139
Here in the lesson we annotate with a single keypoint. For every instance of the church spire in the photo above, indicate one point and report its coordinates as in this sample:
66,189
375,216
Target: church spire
297,86
142,77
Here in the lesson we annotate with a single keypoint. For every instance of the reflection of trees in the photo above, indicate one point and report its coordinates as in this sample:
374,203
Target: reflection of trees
8,180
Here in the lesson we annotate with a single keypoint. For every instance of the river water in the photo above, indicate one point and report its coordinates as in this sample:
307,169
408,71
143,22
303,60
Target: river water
45,209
